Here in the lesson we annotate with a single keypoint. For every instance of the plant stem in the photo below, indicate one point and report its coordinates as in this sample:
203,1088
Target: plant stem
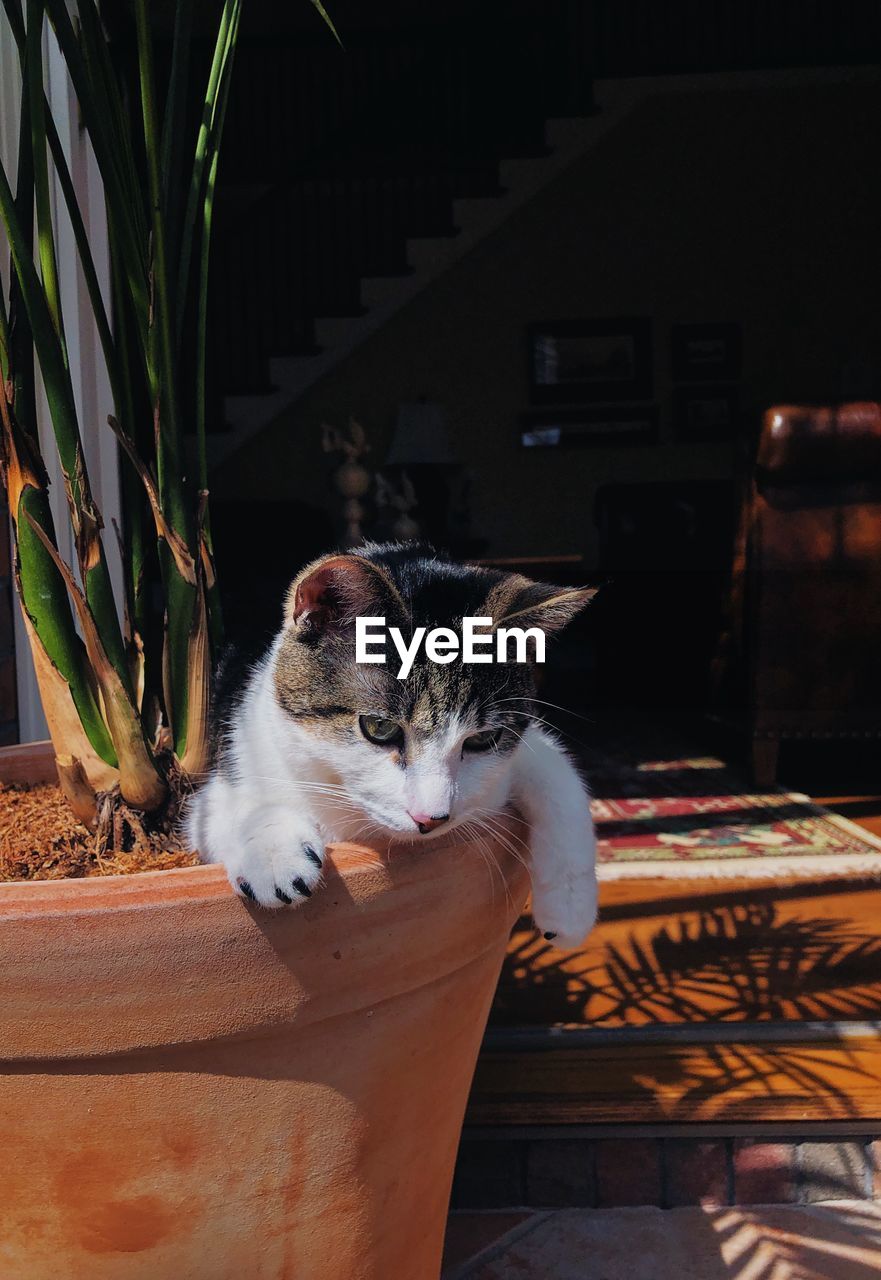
180,595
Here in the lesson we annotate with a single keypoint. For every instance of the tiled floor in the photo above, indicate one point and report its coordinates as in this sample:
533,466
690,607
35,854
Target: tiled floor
833,1241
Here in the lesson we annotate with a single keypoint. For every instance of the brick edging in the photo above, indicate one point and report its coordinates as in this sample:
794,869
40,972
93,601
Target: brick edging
566,1171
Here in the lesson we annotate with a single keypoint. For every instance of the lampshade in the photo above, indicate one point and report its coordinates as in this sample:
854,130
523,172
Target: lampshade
420,435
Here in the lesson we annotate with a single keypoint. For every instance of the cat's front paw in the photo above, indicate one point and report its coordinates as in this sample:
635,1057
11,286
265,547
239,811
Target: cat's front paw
278,863
566,911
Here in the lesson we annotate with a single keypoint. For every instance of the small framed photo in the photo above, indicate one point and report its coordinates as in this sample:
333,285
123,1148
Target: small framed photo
706,352
571,361
706,413
612,425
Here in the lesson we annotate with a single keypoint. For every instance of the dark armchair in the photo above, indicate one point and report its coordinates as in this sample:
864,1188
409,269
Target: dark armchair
805,621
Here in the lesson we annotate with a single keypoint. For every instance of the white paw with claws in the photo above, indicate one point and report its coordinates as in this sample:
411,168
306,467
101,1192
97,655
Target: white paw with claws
278,863
566,910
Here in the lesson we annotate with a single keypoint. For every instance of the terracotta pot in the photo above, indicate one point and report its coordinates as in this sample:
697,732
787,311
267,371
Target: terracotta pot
196,1090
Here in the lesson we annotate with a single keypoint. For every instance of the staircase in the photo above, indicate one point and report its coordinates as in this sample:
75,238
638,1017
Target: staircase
380,295
402,151
352,178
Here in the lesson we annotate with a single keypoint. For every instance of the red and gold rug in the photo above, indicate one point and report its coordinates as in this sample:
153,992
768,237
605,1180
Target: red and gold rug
689,818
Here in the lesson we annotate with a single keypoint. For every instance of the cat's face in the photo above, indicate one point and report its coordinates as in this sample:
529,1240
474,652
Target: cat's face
433,751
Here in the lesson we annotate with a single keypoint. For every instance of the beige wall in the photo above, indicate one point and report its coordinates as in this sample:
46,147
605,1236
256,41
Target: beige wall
760,207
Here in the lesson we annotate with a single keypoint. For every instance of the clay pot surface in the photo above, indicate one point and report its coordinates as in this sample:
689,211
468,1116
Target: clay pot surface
195,1089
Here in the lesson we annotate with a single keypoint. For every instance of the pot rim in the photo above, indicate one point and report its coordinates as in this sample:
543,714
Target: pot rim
105,966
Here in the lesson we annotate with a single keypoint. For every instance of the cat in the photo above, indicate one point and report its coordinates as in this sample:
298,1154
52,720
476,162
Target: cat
317,748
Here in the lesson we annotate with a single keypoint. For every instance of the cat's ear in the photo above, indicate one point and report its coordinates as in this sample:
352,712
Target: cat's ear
520,601
331,593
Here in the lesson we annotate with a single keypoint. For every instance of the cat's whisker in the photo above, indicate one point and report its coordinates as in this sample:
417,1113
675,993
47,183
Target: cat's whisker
493,817
498,816
502,838
478,826
471,830
481,849
318,791
521,738
493,861
303,782
543,702
526,715
327,787
554,731
540,720
516,858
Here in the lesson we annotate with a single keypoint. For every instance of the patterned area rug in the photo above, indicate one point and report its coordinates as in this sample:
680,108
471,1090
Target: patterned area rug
690,818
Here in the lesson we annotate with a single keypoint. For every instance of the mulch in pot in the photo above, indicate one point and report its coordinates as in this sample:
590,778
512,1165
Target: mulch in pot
40,839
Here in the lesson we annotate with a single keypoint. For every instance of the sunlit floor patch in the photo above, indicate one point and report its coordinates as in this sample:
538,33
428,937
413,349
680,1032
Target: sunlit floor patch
838,1240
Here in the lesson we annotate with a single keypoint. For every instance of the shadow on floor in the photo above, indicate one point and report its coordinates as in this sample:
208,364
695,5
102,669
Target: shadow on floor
840,1241
737,962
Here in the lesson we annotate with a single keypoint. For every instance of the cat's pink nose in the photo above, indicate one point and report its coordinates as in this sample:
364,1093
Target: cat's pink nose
427,822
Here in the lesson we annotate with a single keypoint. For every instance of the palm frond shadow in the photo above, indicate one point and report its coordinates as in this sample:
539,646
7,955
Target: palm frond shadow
740,964
822,1250
734,1081
733,963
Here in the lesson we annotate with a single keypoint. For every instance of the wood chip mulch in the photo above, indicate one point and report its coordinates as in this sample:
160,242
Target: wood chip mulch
40,839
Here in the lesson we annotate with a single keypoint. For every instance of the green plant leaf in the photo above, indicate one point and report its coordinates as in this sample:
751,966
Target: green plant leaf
327,18
44,598
139,781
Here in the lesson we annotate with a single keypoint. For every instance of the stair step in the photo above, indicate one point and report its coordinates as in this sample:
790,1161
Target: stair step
799,1071
287,373
330,331
473,209
376,291
566,131
514,172
428,252
286,369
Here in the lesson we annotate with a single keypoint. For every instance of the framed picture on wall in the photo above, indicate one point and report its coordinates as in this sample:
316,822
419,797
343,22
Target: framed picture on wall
706,413
706,352
576,360
607,425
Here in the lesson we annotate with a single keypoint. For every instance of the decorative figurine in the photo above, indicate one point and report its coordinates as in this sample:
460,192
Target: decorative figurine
398,500
351,479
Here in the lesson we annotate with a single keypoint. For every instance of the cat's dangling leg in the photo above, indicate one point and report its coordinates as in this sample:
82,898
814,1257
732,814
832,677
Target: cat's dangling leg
555,802
273,854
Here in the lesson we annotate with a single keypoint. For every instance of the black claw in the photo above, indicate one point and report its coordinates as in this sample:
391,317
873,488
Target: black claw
311,854
550,936
301,887
247,890
283,897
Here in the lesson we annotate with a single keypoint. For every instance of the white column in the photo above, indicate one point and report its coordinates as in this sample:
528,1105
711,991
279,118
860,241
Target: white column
89,375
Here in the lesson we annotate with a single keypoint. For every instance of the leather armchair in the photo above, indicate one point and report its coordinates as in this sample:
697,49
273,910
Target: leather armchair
806,593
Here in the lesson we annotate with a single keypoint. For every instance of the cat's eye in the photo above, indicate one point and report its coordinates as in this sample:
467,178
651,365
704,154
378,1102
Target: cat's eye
385,733
483,741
